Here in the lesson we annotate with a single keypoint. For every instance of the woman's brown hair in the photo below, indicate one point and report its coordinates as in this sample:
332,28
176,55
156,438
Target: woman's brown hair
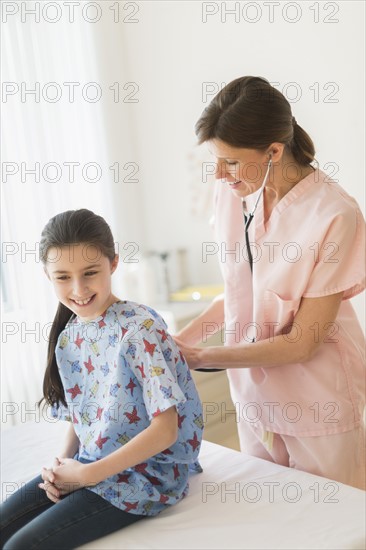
69,228
250,113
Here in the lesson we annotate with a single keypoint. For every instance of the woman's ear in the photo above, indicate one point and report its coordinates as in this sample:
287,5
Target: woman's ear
114,263
276,149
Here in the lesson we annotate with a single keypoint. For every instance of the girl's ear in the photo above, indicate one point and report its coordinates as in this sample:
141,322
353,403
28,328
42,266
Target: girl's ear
46,272
114,263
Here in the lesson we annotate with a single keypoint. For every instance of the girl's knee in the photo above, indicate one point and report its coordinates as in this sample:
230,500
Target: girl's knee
22,540
17,543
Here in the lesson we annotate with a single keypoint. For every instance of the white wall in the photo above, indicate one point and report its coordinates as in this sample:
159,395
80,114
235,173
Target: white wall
176,50
171,52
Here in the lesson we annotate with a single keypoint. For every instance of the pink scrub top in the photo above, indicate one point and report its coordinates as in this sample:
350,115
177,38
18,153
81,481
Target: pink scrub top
313,245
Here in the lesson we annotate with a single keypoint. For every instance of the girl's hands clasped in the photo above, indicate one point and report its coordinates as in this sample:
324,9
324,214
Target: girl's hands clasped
48,485
71,474
66,475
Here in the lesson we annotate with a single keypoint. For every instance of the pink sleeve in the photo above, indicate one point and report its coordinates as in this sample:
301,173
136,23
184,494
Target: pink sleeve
340,258
212,221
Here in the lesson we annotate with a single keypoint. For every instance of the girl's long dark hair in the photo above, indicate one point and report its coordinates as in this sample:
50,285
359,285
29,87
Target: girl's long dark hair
250,113
69,228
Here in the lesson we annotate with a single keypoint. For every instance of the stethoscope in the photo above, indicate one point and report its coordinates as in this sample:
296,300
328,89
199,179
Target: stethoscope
247,221
249,217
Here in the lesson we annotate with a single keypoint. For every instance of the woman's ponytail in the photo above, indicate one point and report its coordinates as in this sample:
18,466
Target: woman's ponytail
250,113
302,146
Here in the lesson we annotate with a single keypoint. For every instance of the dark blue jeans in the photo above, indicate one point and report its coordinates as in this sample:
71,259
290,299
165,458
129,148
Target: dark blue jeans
29,520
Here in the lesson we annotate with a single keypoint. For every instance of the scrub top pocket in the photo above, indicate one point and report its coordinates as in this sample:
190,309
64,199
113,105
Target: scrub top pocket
278,314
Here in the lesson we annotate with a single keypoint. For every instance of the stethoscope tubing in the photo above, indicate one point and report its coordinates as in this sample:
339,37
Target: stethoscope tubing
247,223
251,214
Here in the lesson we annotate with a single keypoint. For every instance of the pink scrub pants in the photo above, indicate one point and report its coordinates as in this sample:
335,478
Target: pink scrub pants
340,457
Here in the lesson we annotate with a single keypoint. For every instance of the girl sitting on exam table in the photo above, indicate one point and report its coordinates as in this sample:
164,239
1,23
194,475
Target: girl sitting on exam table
117,376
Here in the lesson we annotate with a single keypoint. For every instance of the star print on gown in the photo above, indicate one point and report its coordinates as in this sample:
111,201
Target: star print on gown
131,386
79,341
133,417
114,394
101,441
163,334
75,391
149,347
88,365
194,442
141,369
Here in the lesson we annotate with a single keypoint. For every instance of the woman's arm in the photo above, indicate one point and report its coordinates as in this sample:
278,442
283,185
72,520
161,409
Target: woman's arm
160,435
205,325
297,346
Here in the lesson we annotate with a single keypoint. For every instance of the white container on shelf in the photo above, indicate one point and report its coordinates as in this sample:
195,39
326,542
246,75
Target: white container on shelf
146,282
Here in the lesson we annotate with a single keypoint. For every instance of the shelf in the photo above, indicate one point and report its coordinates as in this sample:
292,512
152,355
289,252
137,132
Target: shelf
203,293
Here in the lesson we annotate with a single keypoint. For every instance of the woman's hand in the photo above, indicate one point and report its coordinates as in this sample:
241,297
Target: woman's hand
191,354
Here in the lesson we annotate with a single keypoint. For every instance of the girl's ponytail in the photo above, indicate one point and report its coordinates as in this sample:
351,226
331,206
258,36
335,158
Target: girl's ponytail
69,228
53,391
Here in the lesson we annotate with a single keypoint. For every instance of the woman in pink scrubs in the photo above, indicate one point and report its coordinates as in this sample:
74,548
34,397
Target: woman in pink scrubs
294,349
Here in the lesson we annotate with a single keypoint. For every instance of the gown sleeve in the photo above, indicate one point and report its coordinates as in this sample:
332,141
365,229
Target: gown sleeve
155,367
165,380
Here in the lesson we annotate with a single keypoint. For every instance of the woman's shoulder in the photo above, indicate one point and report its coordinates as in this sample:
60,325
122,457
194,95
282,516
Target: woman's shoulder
331,195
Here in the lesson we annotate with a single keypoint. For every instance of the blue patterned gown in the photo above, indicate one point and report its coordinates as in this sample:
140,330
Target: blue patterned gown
118,372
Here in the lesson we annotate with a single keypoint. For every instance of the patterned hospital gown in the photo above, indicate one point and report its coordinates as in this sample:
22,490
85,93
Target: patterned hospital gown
118,372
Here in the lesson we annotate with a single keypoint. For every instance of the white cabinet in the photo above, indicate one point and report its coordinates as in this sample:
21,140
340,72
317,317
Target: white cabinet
218,409
213,387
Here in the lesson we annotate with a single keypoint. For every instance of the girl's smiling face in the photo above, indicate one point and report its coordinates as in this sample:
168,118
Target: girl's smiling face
81,278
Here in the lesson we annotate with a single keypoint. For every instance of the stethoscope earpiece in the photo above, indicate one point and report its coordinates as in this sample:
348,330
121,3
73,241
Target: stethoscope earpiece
248,220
